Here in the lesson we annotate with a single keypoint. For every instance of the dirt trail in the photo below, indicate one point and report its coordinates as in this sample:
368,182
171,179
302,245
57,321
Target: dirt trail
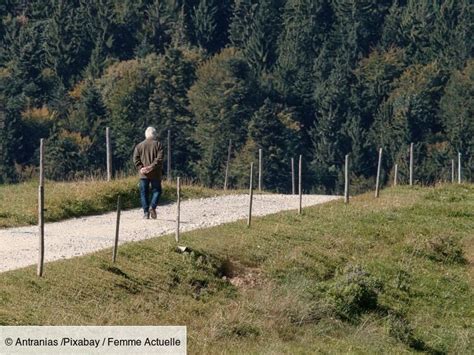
79,236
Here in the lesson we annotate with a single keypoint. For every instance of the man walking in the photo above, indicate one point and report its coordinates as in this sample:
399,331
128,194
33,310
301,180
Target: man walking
148,159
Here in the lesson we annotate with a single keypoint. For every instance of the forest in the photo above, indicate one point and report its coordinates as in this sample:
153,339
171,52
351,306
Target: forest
320,78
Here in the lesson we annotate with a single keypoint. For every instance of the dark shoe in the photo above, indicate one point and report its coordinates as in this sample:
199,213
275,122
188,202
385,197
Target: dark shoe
146,215
153,213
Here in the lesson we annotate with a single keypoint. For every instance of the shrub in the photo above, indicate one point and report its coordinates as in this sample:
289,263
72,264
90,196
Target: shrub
399,328
354,292
444,249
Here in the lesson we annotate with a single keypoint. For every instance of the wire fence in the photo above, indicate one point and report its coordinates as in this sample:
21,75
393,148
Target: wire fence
342,177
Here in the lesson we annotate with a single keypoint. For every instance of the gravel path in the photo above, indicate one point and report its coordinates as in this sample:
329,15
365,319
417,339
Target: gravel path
79,236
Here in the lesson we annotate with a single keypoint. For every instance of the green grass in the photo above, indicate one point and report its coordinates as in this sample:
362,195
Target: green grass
391,275
18,203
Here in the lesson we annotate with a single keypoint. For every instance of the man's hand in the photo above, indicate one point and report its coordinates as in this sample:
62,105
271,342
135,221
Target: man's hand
145,170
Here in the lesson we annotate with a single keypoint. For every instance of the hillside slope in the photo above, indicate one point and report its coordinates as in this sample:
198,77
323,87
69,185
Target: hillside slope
388,275
80,236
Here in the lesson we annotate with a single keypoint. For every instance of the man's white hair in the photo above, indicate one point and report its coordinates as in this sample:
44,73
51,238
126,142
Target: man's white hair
150,133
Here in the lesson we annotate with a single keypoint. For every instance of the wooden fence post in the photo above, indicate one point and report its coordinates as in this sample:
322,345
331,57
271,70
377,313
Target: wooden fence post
411,164
452,171
260,170
117,229
459,168
168,162
40,268
227,165
300,189
377,182
178,208
249,221
395,176
293,191
109,153
346,179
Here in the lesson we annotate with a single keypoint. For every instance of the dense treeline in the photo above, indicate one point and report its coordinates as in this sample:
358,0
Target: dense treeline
321,78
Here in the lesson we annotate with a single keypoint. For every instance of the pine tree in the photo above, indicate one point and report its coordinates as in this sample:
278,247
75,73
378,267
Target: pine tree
411,114
358,25
180,12
66,46
354,74
260,49
10,138
25,61
101,28
305,24
451,40
209,25
88,118
169,107
222,101
259,41
242,17
457,111
274,130
373,83
128,21
66,156
341,125
432,30
205,24
154,35
331,99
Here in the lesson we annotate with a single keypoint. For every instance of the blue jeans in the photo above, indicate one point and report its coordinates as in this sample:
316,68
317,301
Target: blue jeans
155,193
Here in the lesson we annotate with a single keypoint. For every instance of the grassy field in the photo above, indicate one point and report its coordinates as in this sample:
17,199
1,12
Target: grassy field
19,203
391,275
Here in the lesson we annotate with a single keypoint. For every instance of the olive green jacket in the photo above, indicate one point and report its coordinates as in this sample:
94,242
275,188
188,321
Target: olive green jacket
149,153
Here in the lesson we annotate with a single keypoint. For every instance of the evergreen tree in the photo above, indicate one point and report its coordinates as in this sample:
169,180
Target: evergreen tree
354,74
88,118
274,130
340,126
66,155
182,23
432,30
411,114
100,26
259,41
154,35
451,40
205,24
24,60
457,111
66,46
260,49
305,24
128,21
210,24
242,17
222,101
374,77
10,138
169,107
358,26
331,100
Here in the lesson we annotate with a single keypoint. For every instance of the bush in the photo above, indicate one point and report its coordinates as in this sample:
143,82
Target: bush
445,249
399,328
354,292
